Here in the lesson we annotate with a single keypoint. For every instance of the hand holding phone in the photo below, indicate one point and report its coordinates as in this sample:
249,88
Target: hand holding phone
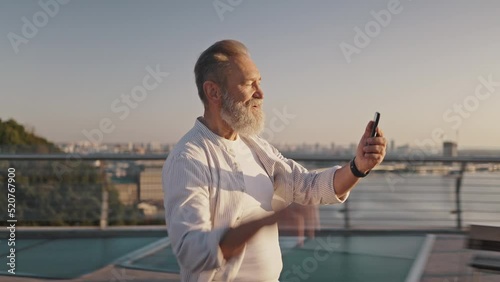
376,119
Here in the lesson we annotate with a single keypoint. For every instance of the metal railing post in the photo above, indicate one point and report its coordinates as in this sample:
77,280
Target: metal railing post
104,201
458,201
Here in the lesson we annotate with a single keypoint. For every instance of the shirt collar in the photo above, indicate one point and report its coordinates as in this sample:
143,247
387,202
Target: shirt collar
216,139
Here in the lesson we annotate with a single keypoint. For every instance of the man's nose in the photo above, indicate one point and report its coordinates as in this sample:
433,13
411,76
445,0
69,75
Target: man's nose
259,93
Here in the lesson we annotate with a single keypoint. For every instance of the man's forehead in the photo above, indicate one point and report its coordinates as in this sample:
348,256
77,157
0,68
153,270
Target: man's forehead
244,66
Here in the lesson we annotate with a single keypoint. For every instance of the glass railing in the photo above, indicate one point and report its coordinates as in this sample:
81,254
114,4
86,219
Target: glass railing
116,190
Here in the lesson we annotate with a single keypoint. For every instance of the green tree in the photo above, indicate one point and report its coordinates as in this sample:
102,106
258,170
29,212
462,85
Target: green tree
55,192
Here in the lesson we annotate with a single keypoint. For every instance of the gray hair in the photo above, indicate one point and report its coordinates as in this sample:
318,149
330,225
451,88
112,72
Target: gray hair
213,64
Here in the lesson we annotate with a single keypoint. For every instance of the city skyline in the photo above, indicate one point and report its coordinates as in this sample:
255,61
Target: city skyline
309,148
430,69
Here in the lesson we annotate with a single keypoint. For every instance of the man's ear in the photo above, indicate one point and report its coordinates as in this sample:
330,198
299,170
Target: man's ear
212,91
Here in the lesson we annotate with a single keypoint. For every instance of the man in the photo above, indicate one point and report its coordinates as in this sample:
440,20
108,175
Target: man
225,187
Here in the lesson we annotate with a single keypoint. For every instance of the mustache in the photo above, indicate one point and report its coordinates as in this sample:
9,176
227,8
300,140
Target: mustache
254,102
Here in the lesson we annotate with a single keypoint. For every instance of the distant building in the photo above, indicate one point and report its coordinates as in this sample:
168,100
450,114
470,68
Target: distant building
403,149
317,148
332,147
450,149
153,147
140,150
150,186
352,148
128,192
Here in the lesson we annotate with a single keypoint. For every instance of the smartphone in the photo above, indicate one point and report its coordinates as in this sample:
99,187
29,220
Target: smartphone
376,118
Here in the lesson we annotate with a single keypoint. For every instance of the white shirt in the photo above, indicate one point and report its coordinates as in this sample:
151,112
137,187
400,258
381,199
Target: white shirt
262,257
204,190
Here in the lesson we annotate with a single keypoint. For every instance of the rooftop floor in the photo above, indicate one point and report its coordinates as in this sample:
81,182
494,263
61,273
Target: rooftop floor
446,262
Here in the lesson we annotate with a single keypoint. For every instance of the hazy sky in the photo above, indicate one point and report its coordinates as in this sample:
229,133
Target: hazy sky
65,67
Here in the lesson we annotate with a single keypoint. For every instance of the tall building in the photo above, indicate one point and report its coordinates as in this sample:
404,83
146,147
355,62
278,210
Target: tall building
450,149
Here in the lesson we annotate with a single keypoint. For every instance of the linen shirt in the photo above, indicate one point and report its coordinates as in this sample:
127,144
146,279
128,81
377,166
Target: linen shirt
203,188
262,259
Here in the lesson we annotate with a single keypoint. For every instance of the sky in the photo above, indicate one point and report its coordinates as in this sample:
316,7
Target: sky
431,68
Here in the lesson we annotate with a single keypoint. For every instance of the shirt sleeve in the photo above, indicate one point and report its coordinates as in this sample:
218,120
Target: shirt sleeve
311,187
187,214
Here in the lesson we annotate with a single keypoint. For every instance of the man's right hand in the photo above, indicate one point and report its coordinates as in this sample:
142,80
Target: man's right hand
234,240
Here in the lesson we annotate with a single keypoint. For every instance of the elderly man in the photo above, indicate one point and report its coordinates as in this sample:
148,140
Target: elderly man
225,187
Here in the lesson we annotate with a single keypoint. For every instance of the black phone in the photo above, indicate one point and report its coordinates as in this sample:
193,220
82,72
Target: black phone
376,118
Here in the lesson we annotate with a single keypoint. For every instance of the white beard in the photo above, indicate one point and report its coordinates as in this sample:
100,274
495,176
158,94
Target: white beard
242,118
